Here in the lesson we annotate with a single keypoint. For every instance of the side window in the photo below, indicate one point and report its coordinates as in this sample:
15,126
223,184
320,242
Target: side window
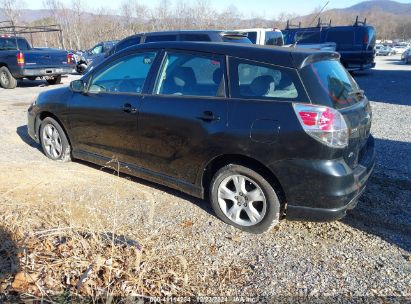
253,37
156,38
126,75
193,75
127,43
97,50
308,37
261,81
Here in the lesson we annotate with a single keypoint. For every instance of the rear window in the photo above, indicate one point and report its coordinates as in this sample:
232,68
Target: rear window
308,37
157,38
236,39
329,84
274,38
341,36
10,44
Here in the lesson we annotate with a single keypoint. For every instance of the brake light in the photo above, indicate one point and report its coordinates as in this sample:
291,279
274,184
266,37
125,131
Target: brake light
69,58
324,124
20,59
366,39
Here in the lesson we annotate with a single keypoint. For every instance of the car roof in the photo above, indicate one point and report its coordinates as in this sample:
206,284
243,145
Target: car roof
281,56
191,32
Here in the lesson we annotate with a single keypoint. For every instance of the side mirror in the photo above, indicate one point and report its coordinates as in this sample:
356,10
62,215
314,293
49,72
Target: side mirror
78,86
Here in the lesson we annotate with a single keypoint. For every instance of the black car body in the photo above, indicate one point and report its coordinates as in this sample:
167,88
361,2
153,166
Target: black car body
355,43
19,60
194,112
187,35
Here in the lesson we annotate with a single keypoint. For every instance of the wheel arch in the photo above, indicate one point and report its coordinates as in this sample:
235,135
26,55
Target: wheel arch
222,160
43,115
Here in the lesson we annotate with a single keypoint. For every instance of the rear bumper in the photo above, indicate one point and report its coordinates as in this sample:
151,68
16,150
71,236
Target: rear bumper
46,71
360,67
324,190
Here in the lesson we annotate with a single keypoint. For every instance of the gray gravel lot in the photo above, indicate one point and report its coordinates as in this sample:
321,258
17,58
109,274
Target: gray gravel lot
365,254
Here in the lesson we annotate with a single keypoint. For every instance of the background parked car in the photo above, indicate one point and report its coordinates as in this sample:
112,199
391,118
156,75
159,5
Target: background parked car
355,43
96,53
382,50
265,36
190,35
406,56
399,49
19,60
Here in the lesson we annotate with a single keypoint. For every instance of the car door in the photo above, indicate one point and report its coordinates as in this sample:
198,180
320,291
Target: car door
103,121
185,116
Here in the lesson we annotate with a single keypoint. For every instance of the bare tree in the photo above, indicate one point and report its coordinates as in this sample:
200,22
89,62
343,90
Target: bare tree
11,9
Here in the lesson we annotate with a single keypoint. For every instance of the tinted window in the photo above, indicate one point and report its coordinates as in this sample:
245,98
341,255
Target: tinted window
126,43
274,38
236,39
255,80
340,36
308,37
161,38
194,37
187,74
10,44
97,50
126,75
253,37
328,83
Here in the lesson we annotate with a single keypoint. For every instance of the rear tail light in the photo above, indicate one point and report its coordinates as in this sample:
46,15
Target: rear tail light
69,58
366,39
20,59
324,124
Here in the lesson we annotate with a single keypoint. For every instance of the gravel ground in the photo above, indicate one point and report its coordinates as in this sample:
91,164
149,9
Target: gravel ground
365,254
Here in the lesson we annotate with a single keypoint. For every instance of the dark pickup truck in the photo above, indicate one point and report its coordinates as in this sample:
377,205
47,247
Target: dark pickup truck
19,60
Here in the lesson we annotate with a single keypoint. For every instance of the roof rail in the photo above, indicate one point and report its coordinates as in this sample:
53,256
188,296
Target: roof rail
322,24
290,25
358,23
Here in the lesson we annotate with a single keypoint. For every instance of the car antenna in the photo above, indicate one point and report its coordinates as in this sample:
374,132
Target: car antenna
311,23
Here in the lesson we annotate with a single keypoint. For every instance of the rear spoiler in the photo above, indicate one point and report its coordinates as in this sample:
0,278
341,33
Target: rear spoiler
320,56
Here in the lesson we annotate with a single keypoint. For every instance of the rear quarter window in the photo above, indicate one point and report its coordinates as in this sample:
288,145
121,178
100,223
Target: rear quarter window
255,80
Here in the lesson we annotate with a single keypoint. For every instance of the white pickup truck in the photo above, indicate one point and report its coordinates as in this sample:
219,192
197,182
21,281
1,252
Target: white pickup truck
265,36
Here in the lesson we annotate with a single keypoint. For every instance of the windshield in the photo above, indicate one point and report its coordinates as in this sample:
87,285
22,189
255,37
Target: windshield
329,84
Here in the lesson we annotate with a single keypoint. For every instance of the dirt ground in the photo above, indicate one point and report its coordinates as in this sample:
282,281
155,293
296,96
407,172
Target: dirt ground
186,250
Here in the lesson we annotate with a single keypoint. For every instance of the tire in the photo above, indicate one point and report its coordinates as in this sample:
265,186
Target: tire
54,80
7,81
238,204
54,147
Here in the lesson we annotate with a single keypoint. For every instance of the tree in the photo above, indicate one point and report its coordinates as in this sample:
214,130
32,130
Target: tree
11,9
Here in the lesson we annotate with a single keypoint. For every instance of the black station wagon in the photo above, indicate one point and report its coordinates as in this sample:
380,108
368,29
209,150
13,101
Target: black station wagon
263,132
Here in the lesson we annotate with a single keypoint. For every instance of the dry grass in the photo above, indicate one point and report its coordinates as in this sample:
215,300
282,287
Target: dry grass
84,243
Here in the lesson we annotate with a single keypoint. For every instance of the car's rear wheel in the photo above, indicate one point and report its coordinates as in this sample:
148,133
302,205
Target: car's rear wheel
245,199
54,80
7,81
54,140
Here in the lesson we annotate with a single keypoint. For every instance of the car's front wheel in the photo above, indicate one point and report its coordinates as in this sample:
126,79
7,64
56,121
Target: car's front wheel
54,140
245,199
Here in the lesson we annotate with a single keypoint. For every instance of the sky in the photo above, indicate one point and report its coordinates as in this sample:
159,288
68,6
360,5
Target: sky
261,8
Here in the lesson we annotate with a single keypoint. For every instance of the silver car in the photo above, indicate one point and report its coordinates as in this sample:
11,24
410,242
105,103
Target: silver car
406,56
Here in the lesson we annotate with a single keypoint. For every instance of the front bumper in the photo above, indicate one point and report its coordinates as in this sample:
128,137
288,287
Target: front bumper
320,190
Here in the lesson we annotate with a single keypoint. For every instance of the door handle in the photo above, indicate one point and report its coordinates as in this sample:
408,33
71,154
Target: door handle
208,116
128,108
